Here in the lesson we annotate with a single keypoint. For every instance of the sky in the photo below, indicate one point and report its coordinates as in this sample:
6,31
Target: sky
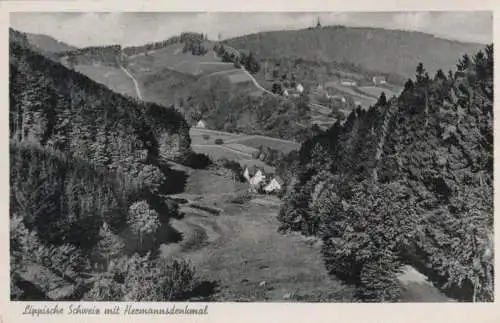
136,28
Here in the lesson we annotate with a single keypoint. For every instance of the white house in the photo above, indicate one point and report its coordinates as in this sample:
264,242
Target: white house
275,185
300,88
201,124
379,80
285,93
246,174
256,181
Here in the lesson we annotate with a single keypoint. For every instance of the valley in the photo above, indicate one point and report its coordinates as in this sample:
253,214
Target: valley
199,170
242,256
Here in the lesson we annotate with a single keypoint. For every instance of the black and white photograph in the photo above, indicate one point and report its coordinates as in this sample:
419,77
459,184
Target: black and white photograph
293,157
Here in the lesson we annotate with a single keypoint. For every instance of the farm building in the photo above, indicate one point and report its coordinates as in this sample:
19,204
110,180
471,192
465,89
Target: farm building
379,80
275,185
348,82
255,178
201,124
249,172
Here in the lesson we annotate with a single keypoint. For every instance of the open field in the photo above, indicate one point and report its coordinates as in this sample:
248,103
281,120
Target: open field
218,152
241,252
242,257
112,77
197,134
256,141
238,147
171,55
201,69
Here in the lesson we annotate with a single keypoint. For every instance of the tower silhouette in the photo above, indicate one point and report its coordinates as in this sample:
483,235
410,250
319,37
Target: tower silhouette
318,24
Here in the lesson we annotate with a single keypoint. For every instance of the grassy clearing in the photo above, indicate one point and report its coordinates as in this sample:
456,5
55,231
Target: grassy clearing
169,56
256,141
200,69
238,76
243,252
216,152
112,77
197,136
253,262
243,148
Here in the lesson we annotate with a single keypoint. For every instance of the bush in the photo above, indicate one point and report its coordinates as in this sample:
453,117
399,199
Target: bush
241,198
219,141
143,279
196,160
234,167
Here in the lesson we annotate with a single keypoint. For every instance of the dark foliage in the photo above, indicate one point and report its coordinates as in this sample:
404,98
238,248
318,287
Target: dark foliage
86,178
407,182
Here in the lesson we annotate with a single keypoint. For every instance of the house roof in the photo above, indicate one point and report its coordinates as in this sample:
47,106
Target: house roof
252,170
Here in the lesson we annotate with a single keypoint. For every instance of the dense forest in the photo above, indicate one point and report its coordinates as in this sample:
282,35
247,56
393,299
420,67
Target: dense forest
87,179
410,181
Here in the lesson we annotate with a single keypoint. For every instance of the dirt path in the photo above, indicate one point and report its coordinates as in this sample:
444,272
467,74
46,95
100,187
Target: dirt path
136,85
260,87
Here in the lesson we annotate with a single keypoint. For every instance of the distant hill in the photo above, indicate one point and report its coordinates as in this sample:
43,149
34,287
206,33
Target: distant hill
47,44
389,51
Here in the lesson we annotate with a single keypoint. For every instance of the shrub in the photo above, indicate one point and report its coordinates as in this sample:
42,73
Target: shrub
235,168
144,279
178,279
151,178
241,198
197,160
219,141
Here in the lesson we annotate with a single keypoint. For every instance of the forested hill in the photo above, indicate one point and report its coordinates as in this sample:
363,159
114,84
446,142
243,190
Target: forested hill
50,103
410,181
87,185
388,51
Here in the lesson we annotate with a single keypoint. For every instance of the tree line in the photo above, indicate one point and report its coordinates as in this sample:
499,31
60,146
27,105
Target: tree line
249,62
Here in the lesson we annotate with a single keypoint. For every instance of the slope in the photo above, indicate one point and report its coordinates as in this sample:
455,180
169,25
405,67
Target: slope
409,181
86,166
49,102
382,50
